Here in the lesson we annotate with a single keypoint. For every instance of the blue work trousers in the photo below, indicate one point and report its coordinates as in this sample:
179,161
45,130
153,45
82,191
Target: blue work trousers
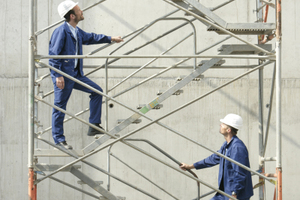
219,196
61,98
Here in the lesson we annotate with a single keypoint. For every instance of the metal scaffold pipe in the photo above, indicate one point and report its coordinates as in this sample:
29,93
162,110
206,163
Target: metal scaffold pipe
261,165
278,100
267,57
31,175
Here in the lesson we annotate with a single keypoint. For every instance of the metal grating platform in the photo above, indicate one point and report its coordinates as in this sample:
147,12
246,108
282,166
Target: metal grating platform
246,28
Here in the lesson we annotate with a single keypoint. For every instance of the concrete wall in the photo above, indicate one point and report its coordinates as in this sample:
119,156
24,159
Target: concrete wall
199,121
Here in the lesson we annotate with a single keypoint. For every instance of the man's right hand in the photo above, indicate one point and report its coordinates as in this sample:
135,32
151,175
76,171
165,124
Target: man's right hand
60,82
184,166
117,39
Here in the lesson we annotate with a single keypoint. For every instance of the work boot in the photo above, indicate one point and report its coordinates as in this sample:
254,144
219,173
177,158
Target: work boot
65,145
93,132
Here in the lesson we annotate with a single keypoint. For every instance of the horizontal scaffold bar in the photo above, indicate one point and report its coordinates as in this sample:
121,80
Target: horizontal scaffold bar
161,67
268,57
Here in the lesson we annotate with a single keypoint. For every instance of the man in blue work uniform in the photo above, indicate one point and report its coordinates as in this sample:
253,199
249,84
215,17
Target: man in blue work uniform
233,180
68,39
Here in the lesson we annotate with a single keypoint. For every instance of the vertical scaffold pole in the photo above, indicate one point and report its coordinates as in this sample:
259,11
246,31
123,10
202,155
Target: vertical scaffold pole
259,16
261,130
278,99
31,175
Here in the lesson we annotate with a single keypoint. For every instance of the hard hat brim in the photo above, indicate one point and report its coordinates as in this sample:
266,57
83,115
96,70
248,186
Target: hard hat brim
225,122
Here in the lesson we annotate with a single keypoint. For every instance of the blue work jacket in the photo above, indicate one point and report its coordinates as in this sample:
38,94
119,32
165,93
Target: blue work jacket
235,179
63,42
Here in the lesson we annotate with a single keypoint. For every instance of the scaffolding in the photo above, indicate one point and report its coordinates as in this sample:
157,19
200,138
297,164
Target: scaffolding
261,52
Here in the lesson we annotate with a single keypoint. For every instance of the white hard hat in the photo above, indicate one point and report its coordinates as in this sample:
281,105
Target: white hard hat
64,7
233,120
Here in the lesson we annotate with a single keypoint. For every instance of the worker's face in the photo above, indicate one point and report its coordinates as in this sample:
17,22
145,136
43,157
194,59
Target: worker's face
78,14
224,129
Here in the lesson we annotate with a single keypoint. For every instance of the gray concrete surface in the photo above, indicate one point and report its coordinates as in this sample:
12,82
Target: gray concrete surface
199,121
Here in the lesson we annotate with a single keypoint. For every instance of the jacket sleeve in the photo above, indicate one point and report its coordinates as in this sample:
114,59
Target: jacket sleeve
56,45
92,38
210,161
239,154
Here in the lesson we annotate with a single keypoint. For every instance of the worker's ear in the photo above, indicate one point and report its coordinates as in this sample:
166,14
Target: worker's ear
72,16
228,130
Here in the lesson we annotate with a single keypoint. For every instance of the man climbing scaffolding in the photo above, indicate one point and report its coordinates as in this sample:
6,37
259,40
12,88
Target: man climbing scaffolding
68,39
233,179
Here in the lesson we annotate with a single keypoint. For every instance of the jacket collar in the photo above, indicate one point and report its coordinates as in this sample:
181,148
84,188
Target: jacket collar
231,141
66,27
